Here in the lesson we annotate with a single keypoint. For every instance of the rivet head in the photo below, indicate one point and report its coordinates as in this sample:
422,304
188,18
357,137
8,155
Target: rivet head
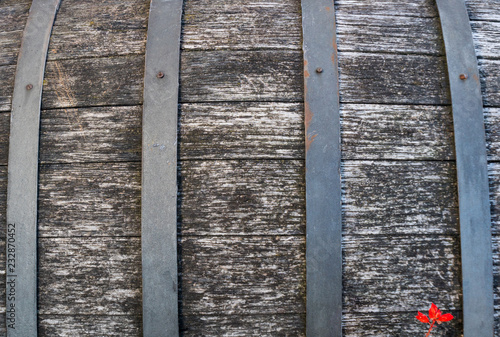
29,87
463,76
160,75
319,70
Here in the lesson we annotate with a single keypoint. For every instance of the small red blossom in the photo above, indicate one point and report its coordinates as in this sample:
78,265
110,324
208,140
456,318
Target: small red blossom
435,315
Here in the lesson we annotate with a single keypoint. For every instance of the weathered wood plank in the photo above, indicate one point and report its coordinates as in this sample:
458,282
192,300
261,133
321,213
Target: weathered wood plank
102,134
10,42
401,324
241,130
270,325
89,200
412,8
402,132
14,15
89,325
89,276
3,200
83,29
242,197
402,197
4,137
385,273
7,86
93,82
486,10
241,76
389,34
396,79
490,81
492,128
241,25
494,182
486,38
244,275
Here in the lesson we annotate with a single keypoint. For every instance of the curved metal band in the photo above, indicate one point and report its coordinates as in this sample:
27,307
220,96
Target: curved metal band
23,172
323,188
472,170
159,170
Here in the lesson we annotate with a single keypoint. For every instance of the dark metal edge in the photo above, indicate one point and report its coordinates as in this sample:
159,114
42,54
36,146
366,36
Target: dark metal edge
159,170
22,192
472,170
323,180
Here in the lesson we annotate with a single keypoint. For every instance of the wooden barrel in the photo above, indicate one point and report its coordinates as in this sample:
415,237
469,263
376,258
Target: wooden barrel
241,166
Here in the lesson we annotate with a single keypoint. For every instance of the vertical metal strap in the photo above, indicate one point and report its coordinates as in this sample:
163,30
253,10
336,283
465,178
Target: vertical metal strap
472,171
323,188
22,193
159,170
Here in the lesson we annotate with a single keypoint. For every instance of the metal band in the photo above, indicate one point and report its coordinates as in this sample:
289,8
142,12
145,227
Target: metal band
472,171
323,189
159,170
21,269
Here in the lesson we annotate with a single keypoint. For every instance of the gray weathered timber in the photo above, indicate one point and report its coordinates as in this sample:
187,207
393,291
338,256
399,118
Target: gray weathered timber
410,8
486,36
100,134
472,172
483,10
14,14
403,197
90,276
219,277
90,325
77,200
389,33
241,130
400,132
21,267
159,171
492,128
248,197
323,186
4,137
489,71
241,25
393,79
7,74
113,28
9,47
269,325
494,180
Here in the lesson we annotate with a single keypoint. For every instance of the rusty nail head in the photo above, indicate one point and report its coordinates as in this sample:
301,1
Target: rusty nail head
463,77
160,75
29,86
319,70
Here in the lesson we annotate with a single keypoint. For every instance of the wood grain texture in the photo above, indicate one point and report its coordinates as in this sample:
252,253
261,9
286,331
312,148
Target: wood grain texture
242,197
241,25
409,8
14,15
394,79
398,132
101,199
489,71
241,76
113,28
250,275
241,130
102,134
486,38
4,137
401,324
389,33
89,325
494,182
89,276
93,82
10,42
492,129
485,10
403,197
7,74
270,325
3,203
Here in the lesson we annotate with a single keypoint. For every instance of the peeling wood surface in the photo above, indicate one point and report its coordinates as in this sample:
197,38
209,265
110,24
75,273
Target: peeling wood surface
89,325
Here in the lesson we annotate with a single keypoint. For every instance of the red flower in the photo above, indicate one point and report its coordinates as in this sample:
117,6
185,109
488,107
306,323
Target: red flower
422,318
